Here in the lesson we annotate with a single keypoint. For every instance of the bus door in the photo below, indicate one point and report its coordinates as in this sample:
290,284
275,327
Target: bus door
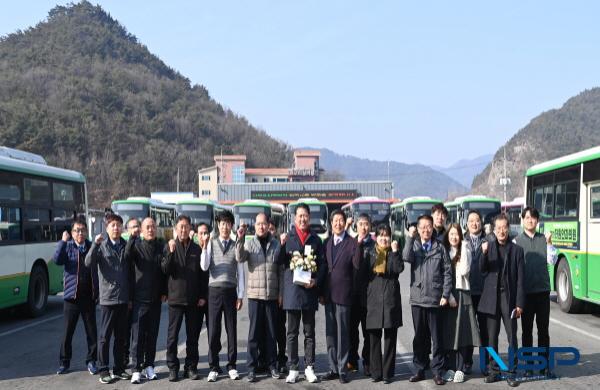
592,241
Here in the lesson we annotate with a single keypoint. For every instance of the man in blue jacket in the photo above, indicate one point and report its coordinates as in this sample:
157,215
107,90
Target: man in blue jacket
80,294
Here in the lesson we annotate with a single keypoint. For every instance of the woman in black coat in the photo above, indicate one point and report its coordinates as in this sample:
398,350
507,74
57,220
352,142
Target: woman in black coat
384,311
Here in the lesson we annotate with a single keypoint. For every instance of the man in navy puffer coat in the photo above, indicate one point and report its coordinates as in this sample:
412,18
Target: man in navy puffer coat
80,293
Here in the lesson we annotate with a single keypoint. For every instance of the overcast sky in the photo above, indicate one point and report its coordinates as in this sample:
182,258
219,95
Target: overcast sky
426,81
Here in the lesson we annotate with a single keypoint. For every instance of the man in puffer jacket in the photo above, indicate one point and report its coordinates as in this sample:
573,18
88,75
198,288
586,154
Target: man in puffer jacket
107,256
80,294
264,273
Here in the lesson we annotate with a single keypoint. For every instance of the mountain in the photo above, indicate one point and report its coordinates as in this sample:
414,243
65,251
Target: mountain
465,170
572,128
84,93
409,179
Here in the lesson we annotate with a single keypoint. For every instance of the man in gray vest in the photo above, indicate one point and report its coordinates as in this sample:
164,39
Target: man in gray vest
226,286
539,252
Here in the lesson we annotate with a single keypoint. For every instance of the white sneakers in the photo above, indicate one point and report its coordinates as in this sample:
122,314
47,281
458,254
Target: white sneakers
309,373
233,374
292,376
449,376
212,376
136,378
149,373
459,377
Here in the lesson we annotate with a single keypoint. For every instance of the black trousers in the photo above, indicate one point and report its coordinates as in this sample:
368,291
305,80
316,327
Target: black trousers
358,318
128,336
427,322
145,319
307,317
468,358
281,337
493,330
176,315
113,321
457,358
263,317
383,369
537,305
72,309
221,303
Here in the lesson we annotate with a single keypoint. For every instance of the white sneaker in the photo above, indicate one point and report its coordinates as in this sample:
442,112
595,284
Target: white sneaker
149,373
212,376
136,378
449,376
233,374
459,377
292,376
309,374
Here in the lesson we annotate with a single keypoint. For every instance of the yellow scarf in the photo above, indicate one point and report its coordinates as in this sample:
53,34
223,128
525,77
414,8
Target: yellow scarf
381,262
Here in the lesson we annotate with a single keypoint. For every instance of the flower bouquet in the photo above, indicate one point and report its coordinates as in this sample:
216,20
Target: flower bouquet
303,266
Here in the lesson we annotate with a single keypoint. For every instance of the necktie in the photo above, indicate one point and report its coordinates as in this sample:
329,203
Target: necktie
337,241
225,243
426,247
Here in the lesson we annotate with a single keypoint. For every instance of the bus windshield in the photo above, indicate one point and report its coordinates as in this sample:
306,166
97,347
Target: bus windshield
247,215
415,210
488,210
131,210
379,212
198,213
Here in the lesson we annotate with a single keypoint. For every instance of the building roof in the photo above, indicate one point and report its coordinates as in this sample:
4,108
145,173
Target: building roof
306,153
267,171
230,157
207,169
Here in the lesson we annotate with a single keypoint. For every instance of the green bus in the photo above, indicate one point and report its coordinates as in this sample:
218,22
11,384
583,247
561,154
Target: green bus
459,208
200,211
245,213
404,214
319,216
37,204
566,192
140,207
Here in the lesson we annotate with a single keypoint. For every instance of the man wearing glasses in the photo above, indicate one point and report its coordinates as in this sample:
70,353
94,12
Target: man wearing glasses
80,294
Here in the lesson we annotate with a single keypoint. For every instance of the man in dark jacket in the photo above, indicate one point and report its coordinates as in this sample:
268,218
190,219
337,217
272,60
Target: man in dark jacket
187,286
145,257
358,312
80,294
430,287
107,256
301,302
503,294
439,213
342,255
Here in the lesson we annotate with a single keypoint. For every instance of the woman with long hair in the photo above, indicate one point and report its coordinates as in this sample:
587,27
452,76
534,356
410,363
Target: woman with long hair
461,330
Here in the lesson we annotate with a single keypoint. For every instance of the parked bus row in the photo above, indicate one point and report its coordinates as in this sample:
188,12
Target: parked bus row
38,202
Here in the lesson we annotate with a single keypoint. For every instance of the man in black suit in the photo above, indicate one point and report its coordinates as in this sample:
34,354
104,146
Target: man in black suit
503,295
342,254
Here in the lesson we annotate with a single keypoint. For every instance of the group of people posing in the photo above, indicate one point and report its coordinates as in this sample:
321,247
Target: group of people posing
461,288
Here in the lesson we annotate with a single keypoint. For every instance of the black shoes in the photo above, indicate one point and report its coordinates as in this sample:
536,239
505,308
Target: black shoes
438,380
491,378
173,375
419,376
512,381
367,370
343,379
375,380
330,376
387,381
251,377
191,373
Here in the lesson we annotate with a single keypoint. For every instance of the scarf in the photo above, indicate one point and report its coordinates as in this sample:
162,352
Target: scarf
303,236
381,261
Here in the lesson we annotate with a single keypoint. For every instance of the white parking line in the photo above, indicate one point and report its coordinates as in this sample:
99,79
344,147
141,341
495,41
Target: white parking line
31,325
574,329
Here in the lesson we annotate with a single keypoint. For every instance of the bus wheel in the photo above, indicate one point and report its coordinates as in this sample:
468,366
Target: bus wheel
564,289
37,296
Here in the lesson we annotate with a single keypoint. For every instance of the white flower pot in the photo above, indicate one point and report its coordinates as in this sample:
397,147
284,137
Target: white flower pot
301,277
